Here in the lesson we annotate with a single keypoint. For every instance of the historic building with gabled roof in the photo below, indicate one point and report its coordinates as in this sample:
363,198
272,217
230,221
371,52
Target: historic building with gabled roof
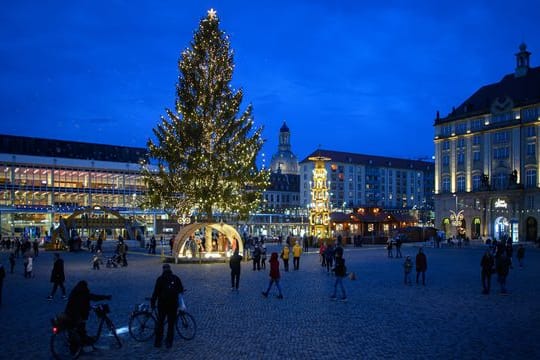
486,151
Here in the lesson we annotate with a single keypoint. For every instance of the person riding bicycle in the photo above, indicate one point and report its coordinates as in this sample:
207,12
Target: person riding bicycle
166,291
78,308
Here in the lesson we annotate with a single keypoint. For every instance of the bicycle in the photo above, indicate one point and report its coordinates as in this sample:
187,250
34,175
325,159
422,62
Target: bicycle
143,322
66,341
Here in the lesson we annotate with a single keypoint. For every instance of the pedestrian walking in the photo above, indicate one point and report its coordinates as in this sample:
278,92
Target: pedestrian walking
329,254
235,264
57,277
11,262
28,267
122,251
421,266
166,291
297,251
263,256
488,267
520,254
256,257
399,242
152,249
502,264
35,246
96,260
389,248
407,268
322,253
340,271
285,257
274,275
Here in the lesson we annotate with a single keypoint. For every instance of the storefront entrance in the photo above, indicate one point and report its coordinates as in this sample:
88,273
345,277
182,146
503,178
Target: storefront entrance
501,228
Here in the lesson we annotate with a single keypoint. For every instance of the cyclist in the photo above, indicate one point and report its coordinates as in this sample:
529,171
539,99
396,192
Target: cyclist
168,287
78,308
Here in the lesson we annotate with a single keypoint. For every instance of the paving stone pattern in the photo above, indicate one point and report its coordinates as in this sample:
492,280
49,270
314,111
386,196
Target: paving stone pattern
449,318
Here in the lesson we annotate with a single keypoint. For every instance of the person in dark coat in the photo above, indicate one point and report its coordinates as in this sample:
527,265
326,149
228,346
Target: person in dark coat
57,277
166,291
11,262
235,265
503,268
78,307
340,271
421,266
487,263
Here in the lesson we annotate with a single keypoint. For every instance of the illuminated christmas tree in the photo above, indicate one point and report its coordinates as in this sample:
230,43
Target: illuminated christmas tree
206,148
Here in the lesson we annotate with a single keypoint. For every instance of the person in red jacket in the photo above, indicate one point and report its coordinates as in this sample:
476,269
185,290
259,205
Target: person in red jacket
274,275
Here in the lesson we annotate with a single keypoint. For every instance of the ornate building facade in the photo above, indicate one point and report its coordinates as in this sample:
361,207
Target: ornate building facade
487,159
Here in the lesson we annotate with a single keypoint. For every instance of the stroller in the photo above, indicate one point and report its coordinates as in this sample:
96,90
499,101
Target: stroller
113,261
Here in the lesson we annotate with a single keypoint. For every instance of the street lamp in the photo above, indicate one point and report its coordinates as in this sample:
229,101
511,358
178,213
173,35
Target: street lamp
456,217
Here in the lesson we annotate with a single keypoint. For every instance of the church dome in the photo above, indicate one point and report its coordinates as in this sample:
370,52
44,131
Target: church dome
284,161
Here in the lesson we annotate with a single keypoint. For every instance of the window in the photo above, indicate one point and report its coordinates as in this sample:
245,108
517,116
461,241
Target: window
446,130
461,183
445,160
531,131
476,156
530,178
446,184
461,128
446,145
500,181
476,181
529,114
501,153
461,143
501,137
531,149
476,140
476,124
460,158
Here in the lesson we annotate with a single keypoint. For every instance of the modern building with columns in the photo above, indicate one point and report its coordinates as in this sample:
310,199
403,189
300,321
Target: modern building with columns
487,159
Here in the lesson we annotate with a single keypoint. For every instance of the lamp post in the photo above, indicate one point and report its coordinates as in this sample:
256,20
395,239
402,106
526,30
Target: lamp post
456,216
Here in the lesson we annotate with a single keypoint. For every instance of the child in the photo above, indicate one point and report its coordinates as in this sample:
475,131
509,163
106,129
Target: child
407,267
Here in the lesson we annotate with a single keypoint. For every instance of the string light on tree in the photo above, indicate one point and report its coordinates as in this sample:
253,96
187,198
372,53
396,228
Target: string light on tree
206,147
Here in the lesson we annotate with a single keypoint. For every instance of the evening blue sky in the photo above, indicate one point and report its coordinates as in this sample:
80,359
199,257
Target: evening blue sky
356,76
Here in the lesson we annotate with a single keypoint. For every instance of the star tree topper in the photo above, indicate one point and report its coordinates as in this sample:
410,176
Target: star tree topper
212,14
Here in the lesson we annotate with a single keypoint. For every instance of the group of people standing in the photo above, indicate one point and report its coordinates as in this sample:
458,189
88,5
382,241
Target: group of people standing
497,259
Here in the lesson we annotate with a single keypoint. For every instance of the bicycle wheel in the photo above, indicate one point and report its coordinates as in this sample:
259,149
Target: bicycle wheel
186,326
66,344
142,325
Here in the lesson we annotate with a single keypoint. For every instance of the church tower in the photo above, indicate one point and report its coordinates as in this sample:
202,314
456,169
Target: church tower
284,161
522,61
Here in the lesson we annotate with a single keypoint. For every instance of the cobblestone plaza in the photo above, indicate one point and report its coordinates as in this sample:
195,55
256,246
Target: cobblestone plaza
449,318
